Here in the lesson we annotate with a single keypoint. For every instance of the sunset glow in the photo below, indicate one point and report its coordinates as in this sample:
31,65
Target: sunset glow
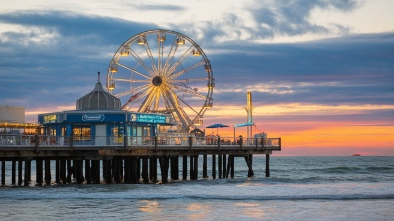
321,73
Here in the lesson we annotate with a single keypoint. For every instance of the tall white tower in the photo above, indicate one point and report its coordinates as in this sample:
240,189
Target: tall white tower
249,109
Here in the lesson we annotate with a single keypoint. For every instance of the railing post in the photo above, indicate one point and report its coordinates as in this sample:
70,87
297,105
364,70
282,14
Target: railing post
218,142
71,143
190,142
36,143
156,140
124,142
257,142
241,140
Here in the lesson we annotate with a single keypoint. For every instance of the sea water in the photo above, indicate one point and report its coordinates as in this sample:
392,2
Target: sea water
300,188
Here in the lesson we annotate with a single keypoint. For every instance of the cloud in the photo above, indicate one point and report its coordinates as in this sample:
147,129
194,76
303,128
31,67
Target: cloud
85,28
265,20
61,52
352,69
161,7
293,17
58,51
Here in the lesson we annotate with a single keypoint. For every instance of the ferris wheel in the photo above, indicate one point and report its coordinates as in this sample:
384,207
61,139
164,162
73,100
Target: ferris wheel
161,71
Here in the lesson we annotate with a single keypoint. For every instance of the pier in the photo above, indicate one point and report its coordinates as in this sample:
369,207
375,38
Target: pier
126,159
102,141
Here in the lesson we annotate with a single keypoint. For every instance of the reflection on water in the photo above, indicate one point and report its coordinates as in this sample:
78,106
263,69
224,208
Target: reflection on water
251,210
149,206
199,211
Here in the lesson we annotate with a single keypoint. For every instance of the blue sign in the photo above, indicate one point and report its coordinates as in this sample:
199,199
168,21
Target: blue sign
93,117
150,118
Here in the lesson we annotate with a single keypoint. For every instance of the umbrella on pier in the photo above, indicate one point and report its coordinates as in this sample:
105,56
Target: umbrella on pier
217,126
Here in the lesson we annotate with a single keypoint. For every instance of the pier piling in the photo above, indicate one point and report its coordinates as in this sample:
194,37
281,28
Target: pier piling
20,172
13,172
57,172
3,172
232,167
48,172
204,167
213,166
145,176
220,166
69,171
267,165
174,168
191,166
248,160
39,174
224,166
127,170
228,166
195,172
63,171
134,172
108,172
88,172
184,167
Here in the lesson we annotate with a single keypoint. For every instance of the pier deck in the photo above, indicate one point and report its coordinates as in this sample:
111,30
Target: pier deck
126,159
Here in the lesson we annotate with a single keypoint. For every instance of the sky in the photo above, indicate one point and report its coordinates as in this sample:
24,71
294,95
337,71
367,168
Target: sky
321,72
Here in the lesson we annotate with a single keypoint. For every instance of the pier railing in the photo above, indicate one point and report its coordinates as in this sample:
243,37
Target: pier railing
160,141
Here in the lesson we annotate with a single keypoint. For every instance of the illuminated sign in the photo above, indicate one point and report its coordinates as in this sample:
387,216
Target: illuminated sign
93,117
243,125
150,118
48,119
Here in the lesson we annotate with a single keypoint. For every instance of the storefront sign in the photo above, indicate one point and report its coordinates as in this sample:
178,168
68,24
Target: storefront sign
149,118
93,117
49,119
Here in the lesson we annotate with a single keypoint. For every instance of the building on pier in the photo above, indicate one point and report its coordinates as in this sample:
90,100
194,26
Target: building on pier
99,120
12,121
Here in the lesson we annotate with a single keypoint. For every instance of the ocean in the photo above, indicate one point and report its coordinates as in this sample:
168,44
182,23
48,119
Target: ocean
300,188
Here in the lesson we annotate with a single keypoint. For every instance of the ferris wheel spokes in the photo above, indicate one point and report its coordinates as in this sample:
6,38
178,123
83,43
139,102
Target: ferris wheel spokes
131,80
178,62
142,63
180,114
132,91
187,90
161,38
151,58
189,80
133,70
191,108
171,54
179,73
148,100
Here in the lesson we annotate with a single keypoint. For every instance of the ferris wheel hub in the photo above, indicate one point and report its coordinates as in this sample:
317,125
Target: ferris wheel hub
157,81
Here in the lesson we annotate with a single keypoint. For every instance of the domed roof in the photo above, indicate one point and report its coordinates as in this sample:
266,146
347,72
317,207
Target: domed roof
98,99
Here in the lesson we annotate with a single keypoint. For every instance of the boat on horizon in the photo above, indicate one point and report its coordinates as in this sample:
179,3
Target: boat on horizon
356,155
